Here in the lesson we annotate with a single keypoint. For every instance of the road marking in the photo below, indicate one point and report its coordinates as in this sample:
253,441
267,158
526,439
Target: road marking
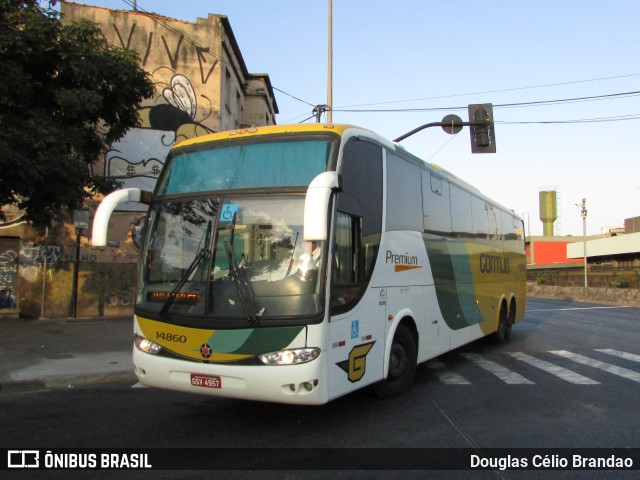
607,367
446,377
578,308
627,356
504,374
139,385
560,372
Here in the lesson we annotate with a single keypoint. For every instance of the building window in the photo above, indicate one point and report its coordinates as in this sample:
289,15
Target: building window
228,90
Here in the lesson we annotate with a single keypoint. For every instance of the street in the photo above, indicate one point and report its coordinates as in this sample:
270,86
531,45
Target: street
568,378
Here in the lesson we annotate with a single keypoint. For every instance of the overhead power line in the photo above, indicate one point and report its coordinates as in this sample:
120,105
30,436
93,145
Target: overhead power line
513,89
346,109
619,118
502,105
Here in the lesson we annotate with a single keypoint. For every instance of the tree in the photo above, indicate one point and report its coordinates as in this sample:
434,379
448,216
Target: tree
65,96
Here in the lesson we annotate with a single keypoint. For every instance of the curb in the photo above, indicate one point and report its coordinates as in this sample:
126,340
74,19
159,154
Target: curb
22,386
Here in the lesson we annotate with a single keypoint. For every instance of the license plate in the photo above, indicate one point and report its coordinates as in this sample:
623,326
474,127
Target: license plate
206,381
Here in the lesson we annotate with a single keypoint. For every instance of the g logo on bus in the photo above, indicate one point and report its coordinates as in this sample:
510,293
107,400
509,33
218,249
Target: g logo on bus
356,364
206,350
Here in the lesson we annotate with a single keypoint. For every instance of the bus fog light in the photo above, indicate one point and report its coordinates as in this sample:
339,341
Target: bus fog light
146,345
290,357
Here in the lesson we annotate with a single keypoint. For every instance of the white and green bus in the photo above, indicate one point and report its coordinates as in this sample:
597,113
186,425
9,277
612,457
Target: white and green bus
298,263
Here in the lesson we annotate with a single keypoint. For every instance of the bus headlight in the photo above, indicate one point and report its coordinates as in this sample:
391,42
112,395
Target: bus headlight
146,345
290,357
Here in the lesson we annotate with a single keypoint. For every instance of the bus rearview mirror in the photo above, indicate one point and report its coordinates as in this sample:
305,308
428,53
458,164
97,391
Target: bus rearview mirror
316,205
106,208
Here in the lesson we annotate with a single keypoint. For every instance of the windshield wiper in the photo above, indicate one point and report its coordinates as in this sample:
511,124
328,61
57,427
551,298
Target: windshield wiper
293,252
202,253
240,283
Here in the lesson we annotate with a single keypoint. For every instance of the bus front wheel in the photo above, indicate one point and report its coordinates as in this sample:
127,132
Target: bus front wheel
402,365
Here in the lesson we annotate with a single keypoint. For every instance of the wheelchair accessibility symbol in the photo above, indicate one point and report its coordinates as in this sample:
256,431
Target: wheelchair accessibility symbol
355,328
228,211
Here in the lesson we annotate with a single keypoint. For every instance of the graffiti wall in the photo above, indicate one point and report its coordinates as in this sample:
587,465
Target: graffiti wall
9,273
137,159
36,272
183,60
202,86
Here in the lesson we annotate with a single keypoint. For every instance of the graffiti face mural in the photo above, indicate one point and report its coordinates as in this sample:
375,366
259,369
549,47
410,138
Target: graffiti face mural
137,159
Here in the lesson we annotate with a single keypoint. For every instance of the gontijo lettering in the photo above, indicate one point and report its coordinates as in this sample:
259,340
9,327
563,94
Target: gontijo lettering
493,264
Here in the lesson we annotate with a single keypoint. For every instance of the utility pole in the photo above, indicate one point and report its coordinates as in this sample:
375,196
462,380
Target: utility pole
330,66
583,212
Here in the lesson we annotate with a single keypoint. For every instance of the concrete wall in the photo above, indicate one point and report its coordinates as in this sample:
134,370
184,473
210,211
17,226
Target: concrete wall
616,296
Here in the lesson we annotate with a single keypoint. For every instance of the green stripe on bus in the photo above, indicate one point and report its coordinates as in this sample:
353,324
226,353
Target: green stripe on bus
453,281
254,341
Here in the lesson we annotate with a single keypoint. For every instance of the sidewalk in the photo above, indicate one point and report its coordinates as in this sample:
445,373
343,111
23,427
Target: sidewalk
64,353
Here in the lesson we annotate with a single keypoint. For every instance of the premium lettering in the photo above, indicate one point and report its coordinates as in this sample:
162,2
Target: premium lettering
401,259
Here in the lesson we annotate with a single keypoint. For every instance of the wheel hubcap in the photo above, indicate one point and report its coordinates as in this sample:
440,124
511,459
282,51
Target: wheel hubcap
397,362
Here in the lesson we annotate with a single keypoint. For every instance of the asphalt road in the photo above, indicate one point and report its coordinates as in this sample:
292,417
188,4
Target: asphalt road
568,378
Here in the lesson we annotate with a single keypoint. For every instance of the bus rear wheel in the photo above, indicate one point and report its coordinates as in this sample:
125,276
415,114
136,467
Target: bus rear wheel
504,329
511,318
402,365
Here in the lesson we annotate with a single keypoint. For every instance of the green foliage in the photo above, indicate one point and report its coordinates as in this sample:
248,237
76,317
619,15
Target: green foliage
65,96
628,280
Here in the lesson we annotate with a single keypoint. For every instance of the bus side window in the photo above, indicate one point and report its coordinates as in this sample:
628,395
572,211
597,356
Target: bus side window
348,275
358,223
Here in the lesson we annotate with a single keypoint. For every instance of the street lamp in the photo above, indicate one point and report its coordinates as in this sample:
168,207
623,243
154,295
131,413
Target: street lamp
80,222
583,213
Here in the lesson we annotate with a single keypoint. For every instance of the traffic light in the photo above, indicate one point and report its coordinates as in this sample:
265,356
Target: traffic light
483,137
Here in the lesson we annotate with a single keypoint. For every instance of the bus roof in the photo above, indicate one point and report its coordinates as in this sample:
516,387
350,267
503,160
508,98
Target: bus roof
337,129
256,131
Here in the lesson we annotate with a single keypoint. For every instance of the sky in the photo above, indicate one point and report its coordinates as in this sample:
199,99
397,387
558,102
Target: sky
563,77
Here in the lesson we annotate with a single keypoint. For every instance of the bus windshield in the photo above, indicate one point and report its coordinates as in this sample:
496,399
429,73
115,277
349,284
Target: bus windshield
273,164
239,258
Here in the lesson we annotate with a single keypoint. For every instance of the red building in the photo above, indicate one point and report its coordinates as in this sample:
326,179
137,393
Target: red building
550,251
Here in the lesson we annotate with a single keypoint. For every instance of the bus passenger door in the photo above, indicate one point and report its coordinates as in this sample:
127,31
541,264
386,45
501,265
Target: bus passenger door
356,328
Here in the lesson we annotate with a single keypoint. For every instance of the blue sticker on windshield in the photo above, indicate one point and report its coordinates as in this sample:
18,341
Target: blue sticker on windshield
228,211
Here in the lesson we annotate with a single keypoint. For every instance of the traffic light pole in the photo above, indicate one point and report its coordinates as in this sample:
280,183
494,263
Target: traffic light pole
483,139
448,127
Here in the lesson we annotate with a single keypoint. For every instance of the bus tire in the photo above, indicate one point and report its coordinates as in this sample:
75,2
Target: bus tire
402,365
511,319
503,331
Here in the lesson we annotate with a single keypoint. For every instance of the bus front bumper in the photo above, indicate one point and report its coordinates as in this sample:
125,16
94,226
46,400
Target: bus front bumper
296,384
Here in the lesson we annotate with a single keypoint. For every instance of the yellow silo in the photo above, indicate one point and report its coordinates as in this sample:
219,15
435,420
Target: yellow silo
548,211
